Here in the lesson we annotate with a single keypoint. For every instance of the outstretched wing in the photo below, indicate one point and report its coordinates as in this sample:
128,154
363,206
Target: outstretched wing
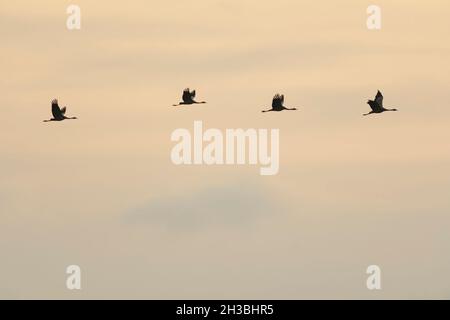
187,95
277,101
379,99
63,110
193,94
56,111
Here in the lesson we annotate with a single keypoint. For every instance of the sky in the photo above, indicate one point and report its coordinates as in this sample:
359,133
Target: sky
101,192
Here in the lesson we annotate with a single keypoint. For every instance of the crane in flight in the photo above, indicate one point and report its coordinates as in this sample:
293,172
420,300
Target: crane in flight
278,104
188,98
59,114
377,105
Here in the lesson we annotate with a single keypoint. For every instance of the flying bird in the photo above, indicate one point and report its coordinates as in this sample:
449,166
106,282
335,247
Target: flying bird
277,104
59,114
377,105
188,98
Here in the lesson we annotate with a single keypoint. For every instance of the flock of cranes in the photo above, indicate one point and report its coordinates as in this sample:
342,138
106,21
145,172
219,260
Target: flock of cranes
59,114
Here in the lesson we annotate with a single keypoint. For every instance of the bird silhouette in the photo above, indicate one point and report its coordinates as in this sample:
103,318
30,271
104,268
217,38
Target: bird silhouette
188,98
277,104
59,114
377,105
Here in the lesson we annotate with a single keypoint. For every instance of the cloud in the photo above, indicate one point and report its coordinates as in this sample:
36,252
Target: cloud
233,205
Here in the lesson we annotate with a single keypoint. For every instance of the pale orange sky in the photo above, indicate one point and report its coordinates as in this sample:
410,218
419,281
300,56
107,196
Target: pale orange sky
101,192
